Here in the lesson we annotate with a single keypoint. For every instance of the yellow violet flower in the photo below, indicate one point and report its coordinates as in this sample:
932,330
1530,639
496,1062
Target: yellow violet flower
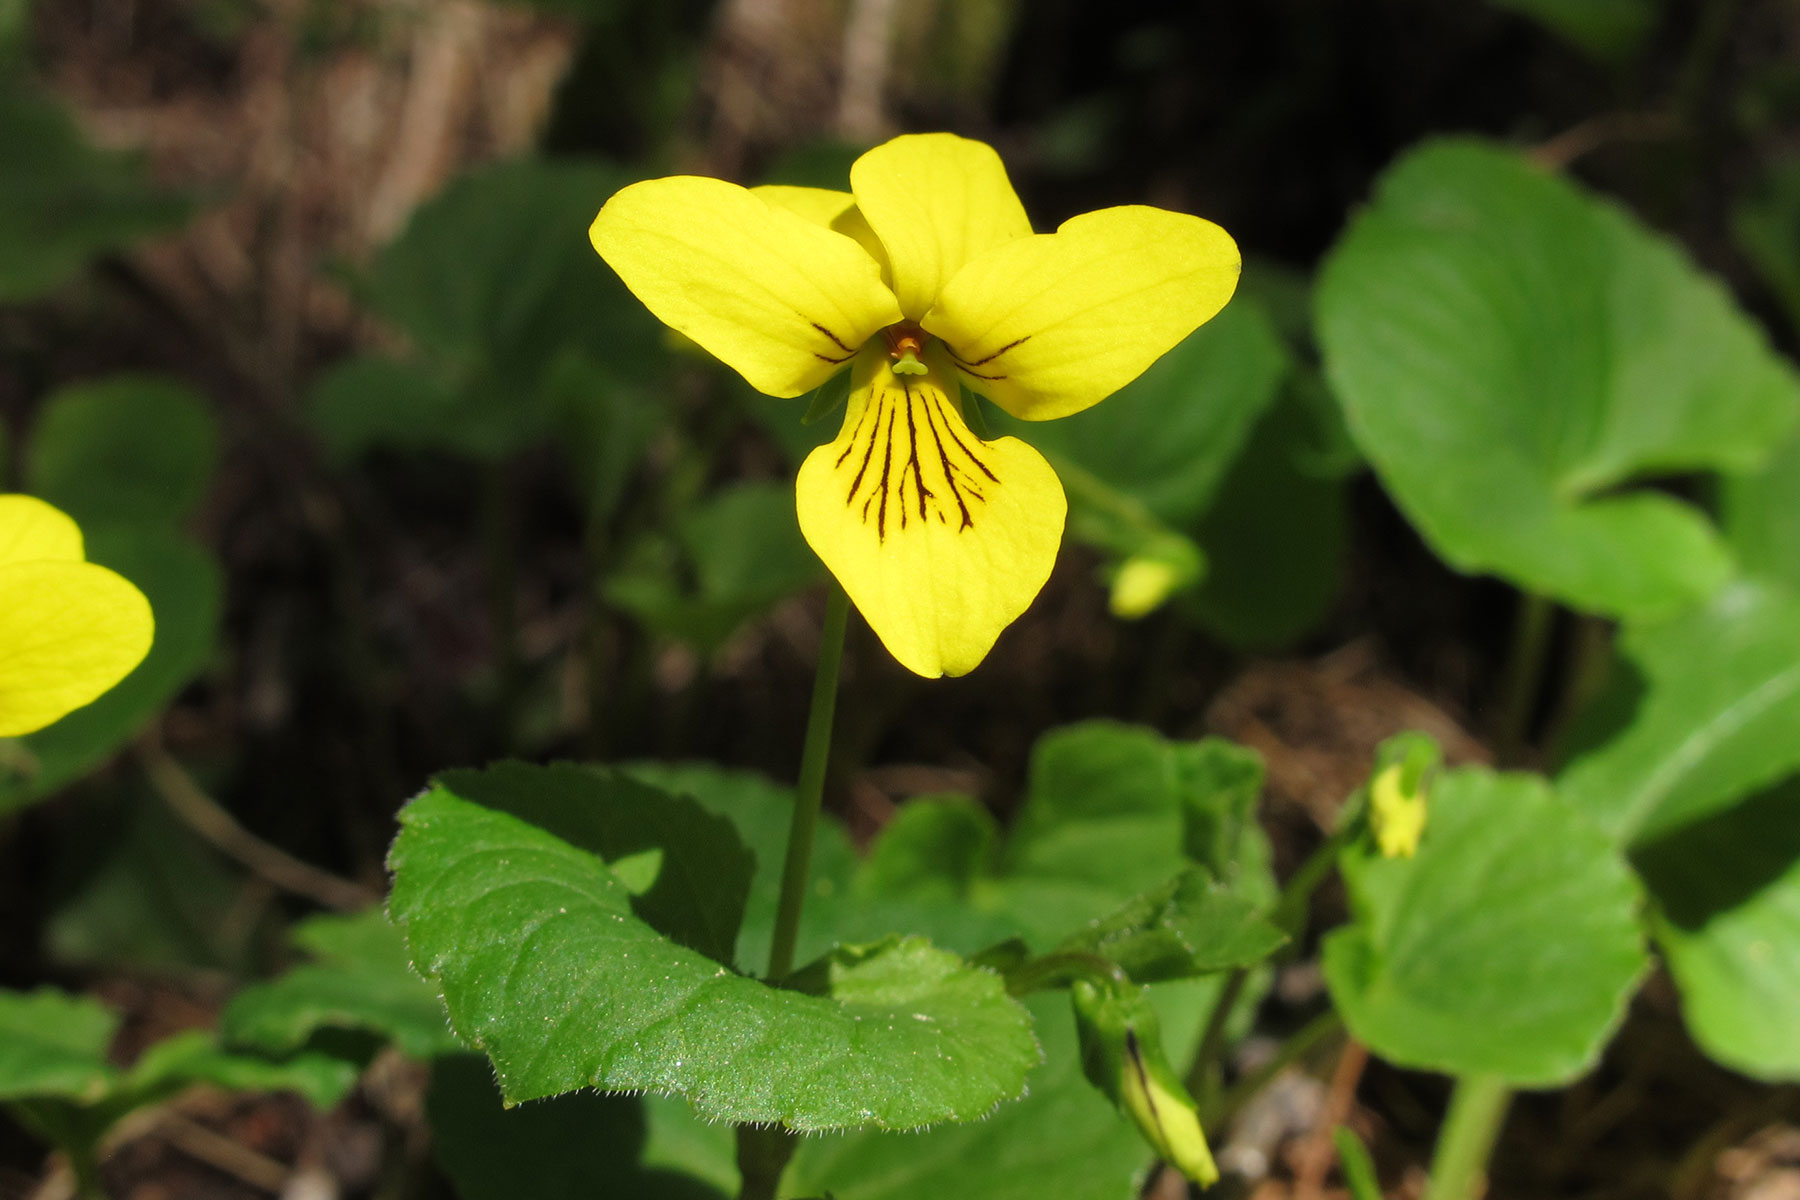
923,279
69,629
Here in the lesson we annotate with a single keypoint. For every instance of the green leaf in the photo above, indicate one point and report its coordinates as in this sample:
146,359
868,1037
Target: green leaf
126,450
604,425
1106,818
1508,945
730,558
700,871
54,1044
63,202
1607,29
1765,222
1760,513
1274,536
1113,812
761,810
144,892
569,1148
1063,1140
1167,438
1511,351
359,979
373,402
495,280
1727,918
544,965
183,585
1190,925
195,1057
1714,722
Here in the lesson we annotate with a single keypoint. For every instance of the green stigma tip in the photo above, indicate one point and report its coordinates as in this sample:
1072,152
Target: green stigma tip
909,364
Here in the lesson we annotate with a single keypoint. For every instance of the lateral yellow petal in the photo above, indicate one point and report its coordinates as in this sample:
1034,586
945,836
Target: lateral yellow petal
836,211
1052,324
936,201
940,538
33,531
773,295
68,632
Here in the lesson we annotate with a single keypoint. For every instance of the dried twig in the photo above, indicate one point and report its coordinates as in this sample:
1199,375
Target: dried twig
1317,1154
204,816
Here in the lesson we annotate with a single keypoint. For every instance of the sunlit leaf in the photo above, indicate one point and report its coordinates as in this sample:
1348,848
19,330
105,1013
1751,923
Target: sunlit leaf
1711,711
545,965
1727,918
1511,352
1508,945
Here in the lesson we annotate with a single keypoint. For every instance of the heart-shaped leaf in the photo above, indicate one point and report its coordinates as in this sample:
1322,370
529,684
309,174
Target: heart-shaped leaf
1510,352
545,964
125,450
62,201
1508,945
1714,719
1727,918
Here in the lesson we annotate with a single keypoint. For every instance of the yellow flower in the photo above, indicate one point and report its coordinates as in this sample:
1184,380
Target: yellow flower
69,629
923,279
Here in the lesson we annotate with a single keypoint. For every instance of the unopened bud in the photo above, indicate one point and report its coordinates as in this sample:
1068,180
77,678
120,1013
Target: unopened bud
1397,793
1122,1055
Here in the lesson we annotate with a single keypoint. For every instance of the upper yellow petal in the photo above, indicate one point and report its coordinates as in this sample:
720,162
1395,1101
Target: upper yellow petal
1052,324
821,206
33,531
777,297
940,538
68,632
936,201
836,211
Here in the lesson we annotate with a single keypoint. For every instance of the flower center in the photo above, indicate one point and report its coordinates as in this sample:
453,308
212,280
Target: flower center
905,342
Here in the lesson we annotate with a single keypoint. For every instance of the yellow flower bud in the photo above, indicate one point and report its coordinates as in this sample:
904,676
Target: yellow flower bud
1122,1055
1396,813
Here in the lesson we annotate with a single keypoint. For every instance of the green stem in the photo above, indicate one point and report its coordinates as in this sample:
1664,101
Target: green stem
1524,677
1051,969
762,1155
1297,1046
1466,1139
1203,1076
1289,914
811,791
763,1150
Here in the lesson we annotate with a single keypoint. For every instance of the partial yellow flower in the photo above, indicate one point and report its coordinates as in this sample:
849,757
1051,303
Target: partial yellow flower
69,629
924,279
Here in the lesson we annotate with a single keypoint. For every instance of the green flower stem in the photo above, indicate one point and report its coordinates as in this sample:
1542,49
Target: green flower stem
1524,678
1477,1110
807,796
763,1150
1289,913
1203,1076
1298,1044
1060,967
762,1156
